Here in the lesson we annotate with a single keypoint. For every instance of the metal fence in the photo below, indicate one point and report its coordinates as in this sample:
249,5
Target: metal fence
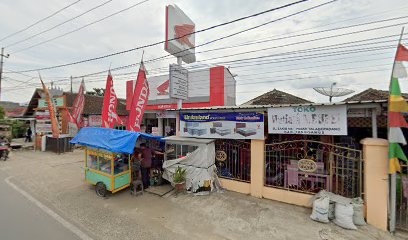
402,199
233,159
310,166
59,145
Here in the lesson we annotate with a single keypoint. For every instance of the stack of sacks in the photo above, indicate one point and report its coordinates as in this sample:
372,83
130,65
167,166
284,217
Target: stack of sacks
344,212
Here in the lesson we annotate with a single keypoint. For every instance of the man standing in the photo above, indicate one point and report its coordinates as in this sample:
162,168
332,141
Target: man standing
147,163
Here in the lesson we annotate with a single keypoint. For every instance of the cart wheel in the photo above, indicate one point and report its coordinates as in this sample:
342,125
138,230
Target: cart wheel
100,189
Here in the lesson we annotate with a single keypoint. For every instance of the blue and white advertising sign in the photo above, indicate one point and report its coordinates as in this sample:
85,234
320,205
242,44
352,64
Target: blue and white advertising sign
230,125
308,120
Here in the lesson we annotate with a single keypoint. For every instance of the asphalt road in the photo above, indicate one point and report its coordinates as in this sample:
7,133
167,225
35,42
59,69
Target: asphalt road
21,219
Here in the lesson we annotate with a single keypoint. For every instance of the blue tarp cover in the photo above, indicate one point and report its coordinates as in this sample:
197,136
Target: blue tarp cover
117,141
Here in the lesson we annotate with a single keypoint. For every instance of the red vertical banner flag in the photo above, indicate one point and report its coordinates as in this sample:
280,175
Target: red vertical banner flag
79,105
139,100
110,101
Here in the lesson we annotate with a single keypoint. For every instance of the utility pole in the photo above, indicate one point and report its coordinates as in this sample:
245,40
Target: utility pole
2,56
71,84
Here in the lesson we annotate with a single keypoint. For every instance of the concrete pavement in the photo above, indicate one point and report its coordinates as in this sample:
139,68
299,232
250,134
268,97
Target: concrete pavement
21,219
58,179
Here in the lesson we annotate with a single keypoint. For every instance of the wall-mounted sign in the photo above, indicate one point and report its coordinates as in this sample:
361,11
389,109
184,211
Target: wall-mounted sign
230,125
58,102
43,128
165,114
42,115
94,120
360,112
308,120
180,28
178,82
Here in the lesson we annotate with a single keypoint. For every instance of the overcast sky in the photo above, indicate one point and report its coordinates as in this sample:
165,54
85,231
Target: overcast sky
357,66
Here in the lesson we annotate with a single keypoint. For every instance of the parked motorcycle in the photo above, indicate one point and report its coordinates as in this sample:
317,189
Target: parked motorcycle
4,150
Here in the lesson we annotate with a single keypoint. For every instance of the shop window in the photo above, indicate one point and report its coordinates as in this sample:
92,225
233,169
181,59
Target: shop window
105,162
121,163
186,149
92,159
120,127
175,151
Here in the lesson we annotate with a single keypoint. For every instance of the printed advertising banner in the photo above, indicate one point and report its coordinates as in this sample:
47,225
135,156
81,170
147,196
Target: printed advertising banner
230,125
308,120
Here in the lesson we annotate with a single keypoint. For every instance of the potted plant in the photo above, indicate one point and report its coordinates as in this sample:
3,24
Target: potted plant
179,179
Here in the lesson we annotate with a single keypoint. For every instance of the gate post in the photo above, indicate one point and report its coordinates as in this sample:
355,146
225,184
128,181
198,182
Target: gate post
257,167
375,155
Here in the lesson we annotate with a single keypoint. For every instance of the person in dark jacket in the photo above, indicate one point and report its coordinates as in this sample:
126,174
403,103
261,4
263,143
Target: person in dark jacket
28,135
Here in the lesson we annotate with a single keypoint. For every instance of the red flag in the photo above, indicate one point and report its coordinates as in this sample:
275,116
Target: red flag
79,104
139,100
402,53
51,109
110,101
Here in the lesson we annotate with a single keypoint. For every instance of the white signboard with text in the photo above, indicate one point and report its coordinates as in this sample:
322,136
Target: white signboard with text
308,120
178,82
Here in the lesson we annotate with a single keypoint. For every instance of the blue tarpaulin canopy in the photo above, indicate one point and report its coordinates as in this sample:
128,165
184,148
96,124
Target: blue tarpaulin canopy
117,141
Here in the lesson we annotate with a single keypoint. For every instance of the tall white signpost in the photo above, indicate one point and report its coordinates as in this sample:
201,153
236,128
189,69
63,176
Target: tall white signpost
180,42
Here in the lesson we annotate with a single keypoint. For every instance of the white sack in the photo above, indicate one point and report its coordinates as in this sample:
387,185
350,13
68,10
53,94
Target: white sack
358,215
344,216
320,210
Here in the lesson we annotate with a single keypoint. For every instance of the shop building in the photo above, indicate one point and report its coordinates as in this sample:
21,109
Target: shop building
206,88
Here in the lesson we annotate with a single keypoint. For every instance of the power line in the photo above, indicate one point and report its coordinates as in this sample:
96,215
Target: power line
212,41
163,57
39,21
59,24
80,28
173,39
251,82
297,58
303,41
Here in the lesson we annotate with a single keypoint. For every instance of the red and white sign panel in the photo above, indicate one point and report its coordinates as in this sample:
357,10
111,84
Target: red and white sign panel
179,27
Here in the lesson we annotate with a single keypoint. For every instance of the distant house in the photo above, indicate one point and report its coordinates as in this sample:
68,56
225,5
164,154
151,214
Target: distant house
93,104
92,114
276,97
12,109
371,94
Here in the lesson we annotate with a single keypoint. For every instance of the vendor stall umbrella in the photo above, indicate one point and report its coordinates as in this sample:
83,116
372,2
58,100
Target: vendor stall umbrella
333,91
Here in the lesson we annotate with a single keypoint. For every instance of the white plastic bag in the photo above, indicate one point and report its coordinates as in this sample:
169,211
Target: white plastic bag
344,216
358,215
320,210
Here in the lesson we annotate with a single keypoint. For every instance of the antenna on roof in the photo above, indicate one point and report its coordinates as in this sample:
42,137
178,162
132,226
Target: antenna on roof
333,91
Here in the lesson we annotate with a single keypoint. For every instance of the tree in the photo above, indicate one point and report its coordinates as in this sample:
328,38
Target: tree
97,92
2,113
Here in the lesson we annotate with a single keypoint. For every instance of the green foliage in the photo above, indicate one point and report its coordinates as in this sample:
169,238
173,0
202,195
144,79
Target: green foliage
179,175
18,129
2,113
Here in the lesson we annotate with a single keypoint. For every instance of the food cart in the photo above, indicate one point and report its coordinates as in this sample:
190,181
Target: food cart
107,157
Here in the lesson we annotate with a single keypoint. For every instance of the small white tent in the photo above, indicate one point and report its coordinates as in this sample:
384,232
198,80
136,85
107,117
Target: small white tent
197,156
